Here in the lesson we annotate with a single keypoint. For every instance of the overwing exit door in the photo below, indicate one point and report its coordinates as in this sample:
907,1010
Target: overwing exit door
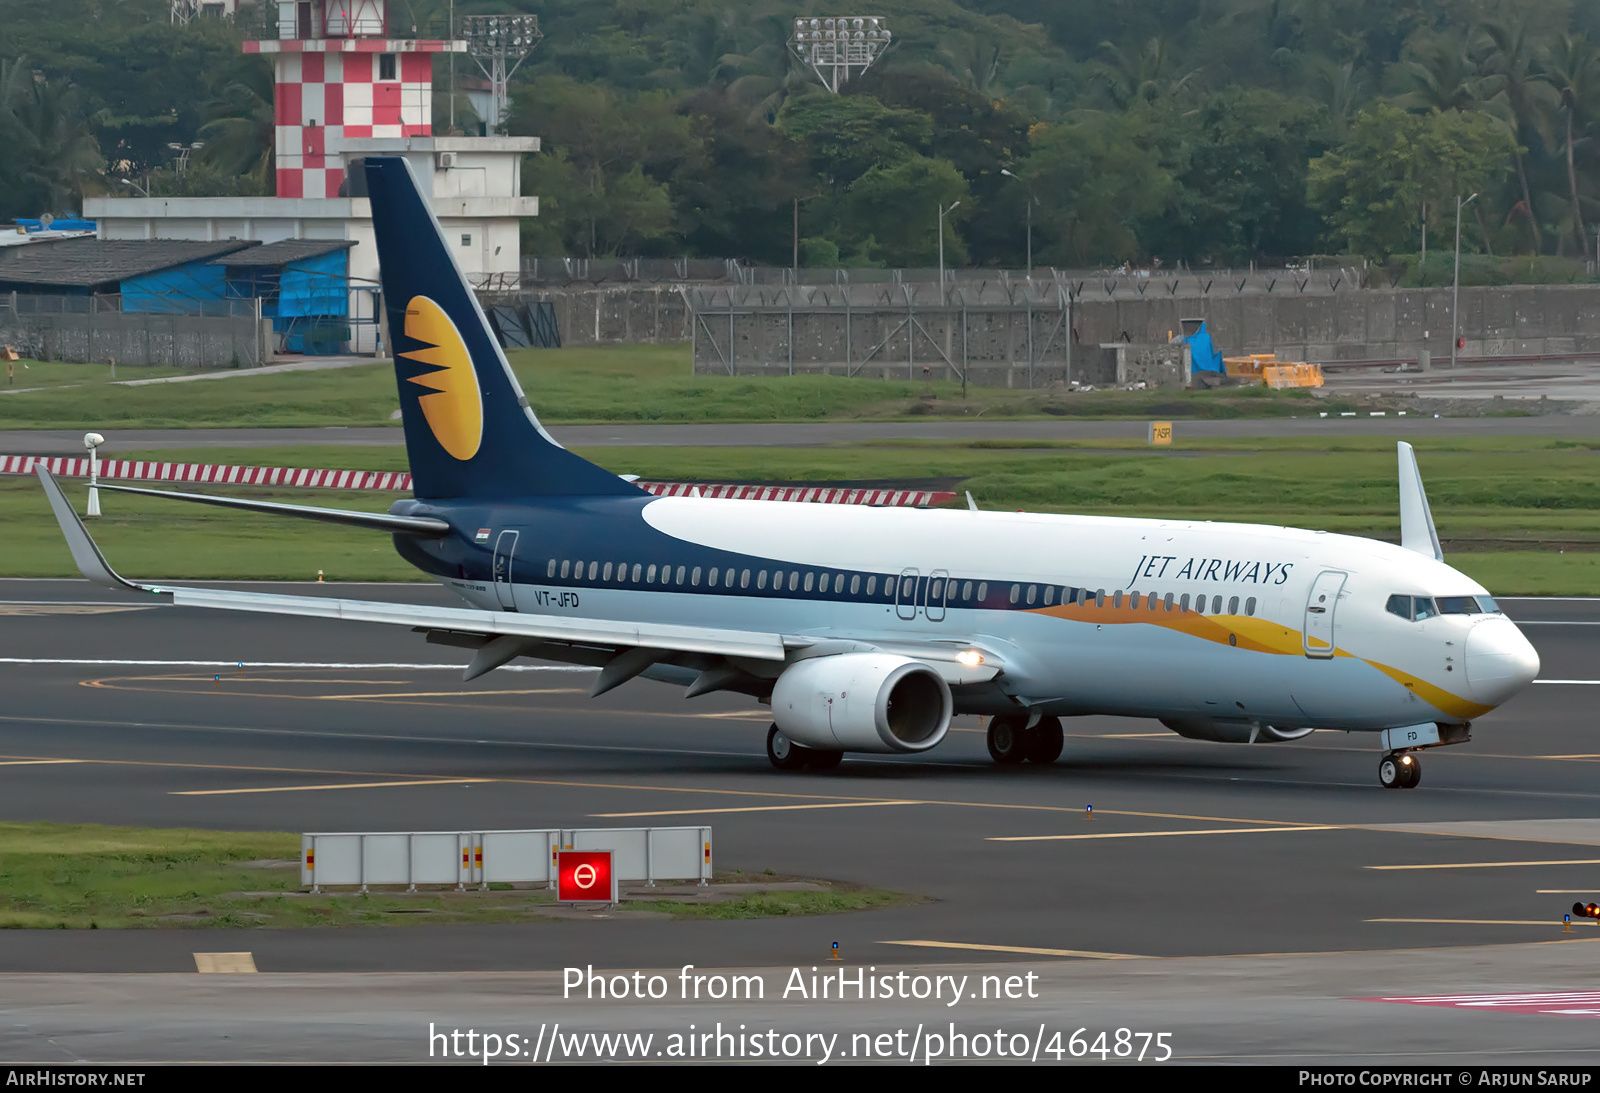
505,548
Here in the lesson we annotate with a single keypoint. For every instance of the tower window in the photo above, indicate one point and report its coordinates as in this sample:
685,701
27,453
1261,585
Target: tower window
466,239
386,66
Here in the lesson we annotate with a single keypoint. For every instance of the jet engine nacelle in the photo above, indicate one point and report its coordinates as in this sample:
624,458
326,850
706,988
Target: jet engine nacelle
862,702
1232,730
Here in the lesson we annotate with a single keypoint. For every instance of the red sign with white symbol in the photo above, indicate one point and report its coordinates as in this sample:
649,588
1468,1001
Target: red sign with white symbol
585,876
1556,1003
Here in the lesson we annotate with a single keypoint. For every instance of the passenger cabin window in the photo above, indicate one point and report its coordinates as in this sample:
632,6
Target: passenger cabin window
1183,604
550,570
872,582
680,574
1049,594
983,590
1233,605
744,578
636,568
1016,592
1250,606
607,574
855,583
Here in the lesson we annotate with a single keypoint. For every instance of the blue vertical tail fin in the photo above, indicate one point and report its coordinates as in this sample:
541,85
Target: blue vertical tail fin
469,429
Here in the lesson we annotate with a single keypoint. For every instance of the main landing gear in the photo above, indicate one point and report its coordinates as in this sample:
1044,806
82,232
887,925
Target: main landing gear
1399,770
785,754
1012,742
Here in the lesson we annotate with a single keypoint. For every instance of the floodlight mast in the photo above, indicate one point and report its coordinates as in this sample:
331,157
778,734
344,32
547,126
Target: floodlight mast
838,47
499,44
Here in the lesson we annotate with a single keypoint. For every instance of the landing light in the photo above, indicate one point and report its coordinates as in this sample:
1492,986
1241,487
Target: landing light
971,658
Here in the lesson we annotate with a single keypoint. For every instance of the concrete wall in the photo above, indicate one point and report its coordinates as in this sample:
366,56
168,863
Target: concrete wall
1369,324
1373,324
135,338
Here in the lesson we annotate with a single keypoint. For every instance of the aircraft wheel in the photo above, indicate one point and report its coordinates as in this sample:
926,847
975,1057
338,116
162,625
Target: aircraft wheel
1044,741
1008,740
820,759
784,753
1391,775
1410,771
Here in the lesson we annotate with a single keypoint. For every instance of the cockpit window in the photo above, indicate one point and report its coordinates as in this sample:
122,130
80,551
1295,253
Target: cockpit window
1418,608
1412,607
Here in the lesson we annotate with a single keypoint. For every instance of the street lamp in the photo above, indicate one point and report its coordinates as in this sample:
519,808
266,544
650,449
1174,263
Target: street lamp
1455,287
92,441
942,214
1032,201
130,182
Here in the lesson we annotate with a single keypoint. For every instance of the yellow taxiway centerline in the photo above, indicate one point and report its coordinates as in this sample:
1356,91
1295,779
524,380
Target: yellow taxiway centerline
1016,949
345,785
1487,921
749,808
1156,834
1488,864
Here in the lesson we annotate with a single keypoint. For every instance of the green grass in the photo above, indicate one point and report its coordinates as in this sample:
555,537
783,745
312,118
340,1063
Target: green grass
84,876
32,373
1506,506
628,383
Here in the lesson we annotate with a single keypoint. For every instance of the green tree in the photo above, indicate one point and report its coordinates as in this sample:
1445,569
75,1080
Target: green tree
240,132
892,213
1239,161
55,157
1100,179
1572,69
1392,163
844,136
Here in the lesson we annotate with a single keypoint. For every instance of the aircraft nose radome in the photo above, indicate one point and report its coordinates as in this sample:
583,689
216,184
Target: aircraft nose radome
1500,661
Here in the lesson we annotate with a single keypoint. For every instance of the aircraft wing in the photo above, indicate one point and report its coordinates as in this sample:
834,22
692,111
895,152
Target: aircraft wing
622,649
601,632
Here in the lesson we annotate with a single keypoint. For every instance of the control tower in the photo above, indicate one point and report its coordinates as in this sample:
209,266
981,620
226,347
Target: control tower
338,75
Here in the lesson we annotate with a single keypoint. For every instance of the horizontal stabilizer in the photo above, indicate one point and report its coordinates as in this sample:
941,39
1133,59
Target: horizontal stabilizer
1416,518
426,526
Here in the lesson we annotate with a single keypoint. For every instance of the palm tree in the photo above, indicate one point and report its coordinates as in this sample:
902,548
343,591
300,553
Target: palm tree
1446,78
1143,76
240,135
59,155
1572,68
1510,58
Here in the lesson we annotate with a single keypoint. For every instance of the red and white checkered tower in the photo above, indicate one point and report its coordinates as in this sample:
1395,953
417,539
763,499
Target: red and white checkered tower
340,76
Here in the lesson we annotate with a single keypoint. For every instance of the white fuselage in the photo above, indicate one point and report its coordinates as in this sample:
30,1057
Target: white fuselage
1252,645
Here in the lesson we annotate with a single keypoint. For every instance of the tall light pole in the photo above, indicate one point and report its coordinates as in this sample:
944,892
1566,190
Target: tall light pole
1031,201
942,213
1455,287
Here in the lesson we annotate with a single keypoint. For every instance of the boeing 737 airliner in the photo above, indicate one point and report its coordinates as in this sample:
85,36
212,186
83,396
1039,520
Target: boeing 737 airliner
868,628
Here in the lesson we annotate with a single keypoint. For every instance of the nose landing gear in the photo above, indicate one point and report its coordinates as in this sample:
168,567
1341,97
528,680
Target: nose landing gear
1399,770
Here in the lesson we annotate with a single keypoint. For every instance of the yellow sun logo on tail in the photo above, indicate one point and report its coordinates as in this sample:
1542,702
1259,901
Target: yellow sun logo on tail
454,410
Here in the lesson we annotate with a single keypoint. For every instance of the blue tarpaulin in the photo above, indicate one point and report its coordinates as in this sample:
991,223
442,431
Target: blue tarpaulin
1203,355
313,304
173,291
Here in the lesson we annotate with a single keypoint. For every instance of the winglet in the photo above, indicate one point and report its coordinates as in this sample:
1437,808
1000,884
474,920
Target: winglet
1416,518
91,563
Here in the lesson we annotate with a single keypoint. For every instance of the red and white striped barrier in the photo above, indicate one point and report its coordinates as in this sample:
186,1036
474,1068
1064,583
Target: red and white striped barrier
301,478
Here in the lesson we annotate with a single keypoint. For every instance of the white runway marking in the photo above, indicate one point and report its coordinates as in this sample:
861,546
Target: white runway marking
1580,682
